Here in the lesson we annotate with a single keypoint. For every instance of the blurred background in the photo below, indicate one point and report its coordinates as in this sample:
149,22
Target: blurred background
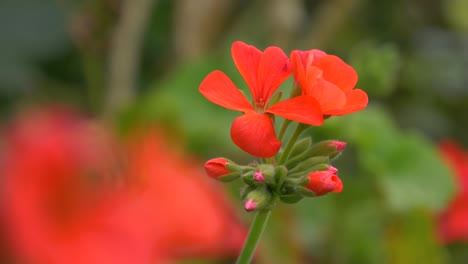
132,68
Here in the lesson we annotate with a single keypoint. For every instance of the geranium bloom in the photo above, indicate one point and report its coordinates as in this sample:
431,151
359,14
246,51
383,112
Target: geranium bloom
67,198
329,80
453,222
263,72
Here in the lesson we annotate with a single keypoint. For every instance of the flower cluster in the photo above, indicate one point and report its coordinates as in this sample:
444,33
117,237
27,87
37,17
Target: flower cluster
324,86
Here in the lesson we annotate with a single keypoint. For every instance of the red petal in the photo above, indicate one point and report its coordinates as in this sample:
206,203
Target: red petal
356,100
272,71
247,59
304,109
336,71
254,133
329,96
219,89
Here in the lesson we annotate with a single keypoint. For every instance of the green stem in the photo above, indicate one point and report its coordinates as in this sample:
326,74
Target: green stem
300,127
284,126
256,230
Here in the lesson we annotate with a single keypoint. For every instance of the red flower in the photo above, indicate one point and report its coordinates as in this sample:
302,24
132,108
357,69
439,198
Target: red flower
216,167
189,216
453,222
329,80
263,72
57,175
323,182
66,198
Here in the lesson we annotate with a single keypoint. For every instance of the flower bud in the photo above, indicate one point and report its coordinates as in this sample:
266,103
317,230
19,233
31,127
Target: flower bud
329,148
222,169
323,182
257,199
339,145
250,205
258,176
300,147
266,174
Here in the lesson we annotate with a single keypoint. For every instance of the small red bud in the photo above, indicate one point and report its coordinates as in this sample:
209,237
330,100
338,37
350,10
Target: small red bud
216,167
250,205
323,182
258,176
340,145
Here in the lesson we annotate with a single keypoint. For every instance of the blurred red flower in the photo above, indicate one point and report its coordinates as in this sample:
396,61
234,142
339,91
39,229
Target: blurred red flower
263,72
68,197
191,216
329,80
453,222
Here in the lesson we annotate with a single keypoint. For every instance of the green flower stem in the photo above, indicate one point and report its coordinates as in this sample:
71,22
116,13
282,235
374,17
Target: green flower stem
299,129
256,230
284,126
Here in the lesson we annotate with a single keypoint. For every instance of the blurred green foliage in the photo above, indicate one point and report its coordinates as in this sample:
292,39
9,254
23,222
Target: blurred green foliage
411,57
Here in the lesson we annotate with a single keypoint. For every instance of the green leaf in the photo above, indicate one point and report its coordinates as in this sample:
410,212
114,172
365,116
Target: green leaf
404,165
378,67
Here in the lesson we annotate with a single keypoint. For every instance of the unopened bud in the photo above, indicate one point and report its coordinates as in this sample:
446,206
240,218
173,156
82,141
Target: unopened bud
222,169
257,199
250,205
329,148
323,182
339,145
258,176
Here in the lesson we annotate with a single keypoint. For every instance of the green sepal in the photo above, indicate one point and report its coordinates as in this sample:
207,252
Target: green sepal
229,177
232,167
248,178
300,147
291,198
268,170
308,165
305,192
280,174
323,148
246,190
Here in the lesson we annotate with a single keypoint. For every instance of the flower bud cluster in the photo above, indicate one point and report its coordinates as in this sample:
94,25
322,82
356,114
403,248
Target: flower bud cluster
306,172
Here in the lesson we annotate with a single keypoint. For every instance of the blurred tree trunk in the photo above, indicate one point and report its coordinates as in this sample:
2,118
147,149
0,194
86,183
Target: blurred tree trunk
124,54
196,26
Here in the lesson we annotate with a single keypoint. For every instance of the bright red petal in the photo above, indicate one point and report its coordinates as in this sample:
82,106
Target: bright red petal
336,71
356,100
254,133
219,89
304,109
328,95
272,71
302,60
247,59
298,65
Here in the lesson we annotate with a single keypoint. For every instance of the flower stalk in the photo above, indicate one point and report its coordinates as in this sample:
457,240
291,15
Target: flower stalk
255,233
